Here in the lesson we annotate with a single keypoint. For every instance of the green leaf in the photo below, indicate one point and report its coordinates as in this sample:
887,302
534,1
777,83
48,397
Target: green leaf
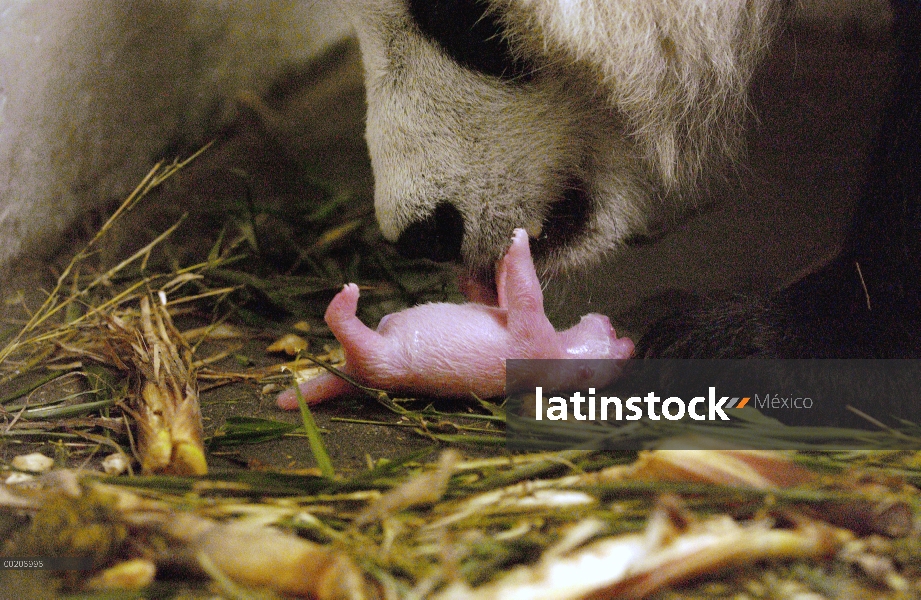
248,430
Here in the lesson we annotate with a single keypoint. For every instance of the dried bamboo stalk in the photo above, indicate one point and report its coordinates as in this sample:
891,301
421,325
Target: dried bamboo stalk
165,403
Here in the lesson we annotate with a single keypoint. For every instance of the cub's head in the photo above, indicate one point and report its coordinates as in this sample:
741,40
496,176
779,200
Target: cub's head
584,123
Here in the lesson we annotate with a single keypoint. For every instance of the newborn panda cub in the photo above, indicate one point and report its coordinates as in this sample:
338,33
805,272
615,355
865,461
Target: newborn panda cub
458,350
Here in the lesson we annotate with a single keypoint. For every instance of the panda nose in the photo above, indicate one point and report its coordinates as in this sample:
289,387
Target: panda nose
437,237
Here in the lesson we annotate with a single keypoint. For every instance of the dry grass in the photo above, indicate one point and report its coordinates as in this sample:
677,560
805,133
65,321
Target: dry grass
408,527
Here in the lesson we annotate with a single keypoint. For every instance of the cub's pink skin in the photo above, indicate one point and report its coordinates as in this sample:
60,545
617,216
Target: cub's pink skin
455,350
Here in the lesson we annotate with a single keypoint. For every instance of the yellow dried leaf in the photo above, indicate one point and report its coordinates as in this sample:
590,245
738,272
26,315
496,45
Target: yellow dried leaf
34,463
302,326
289,344
128,575
222,331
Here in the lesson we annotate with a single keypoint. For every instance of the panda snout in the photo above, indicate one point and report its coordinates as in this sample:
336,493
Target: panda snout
438,237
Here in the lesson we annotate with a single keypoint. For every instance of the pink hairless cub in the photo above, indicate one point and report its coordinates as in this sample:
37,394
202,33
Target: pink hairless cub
455,350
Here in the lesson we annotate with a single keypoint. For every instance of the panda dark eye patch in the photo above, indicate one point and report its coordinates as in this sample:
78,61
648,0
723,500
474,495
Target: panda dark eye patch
471,34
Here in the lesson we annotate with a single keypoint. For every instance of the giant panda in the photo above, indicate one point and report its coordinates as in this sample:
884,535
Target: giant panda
595,126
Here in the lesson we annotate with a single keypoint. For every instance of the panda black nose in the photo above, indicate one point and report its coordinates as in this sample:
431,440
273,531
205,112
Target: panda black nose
438,237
